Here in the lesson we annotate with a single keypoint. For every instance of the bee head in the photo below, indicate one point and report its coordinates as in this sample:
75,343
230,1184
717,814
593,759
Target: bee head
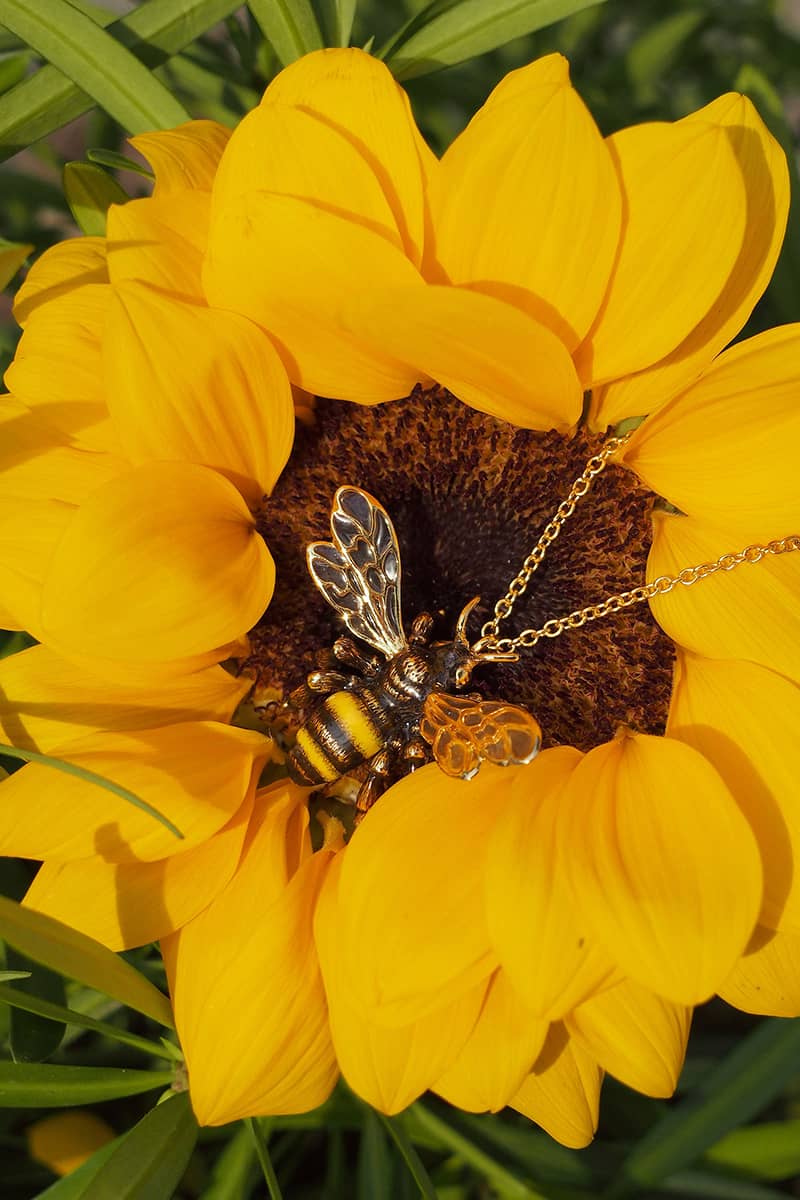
475,655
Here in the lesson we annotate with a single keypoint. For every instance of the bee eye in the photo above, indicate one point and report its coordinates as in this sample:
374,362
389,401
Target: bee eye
462,676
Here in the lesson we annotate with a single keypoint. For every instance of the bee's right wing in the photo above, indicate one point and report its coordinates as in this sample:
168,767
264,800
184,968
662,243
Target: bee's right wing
358,572
464,731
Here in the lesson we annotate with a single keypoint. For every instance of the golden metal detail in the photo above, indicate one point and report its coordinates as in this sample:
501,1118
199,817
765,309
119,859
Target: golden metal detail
490,639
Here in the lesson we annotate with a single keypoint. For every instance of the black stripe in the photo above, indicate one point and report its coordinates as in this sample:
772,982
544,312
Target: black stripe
301,770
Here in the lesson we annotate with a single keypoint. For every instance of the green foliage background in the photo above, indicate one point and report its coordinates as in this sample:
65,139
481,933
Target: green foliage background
733,1131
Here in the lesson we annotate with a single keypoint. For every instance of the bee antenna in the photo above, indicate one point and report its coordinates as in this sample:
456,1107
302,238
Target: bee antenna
461,623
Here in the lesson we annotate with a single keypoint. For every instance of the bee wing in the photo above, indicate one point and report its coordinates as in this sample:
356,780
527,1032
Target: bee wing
358,572
464,732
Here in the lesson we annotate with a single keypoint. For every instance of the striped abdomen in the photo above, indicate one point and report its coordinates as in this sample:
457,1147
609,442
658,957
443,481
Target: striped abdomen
346,729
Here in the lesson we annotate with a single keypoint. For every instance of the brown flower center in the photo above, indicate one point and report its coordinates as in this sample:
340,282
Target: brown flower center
468,496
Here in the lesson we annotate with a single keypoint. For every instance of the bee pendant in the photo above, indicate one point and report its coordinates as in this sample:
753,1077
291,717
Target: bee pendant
393,712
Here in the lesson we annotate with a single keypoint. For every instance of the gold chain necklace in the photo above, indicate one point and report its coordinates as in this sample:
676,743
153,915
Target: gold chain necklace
490,640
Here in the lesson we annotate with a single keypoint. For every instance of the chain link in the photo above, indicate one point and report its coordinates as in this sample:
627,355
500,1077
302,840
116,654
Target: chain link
490,641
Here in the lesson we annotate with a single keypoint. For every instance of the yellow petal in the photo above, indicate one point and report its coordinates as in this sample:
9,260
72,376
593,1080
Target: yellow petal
684,205
192,384
355,95
387,1067
186,157
528,197
251,1013
563,1092
130,904
725,449
36,462
162,562
45,700
287,265
64,1140
160,241
29,532
766,979
293,152
499,1053
57,370
762,163
76,263
413,928
741,717
478,347
662,862
541,939
196,774
635,1035
749,613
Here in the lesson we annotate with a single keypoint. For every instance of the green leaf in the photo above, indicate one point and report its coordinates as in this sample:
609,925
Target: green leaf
234,1171
74,1186
703,1185
46,760
12,256
398,1134
256,1130
42,1085
88,55
450,31
289,26
337,20
508,1185
7,976
79,957
149,1162
767,1151
52,1013
118,162
32,1039
13,69
374,1160
153,32
90,191
743,1083
652,54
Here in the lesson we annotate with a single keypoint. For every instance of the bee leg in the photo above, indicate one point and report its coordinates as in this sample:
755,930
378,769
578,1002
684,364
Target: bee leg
346,652
414,753
318,683
421,628
375,782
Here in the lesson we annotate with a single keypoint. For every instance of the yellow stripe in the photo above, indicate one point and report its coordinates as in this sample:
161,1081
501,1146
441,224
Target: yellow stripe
316,757
349,711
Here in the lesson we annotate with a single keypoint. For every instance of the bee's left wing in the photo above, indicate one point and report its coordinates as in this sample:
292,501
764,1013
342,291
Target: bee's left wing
464,732
358,572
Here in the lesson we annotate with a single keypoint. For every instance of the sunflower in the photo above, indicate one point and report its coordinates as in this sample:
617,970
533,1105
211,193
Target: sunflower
503,940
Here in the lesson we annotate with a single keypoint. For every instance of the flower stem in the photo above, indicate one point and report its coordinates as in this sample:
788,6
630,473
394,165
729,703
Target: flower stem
267,1168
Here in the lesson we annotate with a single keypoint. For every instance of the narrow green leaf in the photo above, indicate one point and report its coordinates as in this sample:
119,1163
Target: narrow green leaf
289,26
58,1012
150,1160
507,1184
412,1160
337,20
260,1144
42,1085
374,1160
654,51
90,191
703,1185
74,1186
13,69
31,1038
153,32
111,75
450,31
79,957
118,162
46,760
7,976
767,1151
12,256
742,1084
234,1171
